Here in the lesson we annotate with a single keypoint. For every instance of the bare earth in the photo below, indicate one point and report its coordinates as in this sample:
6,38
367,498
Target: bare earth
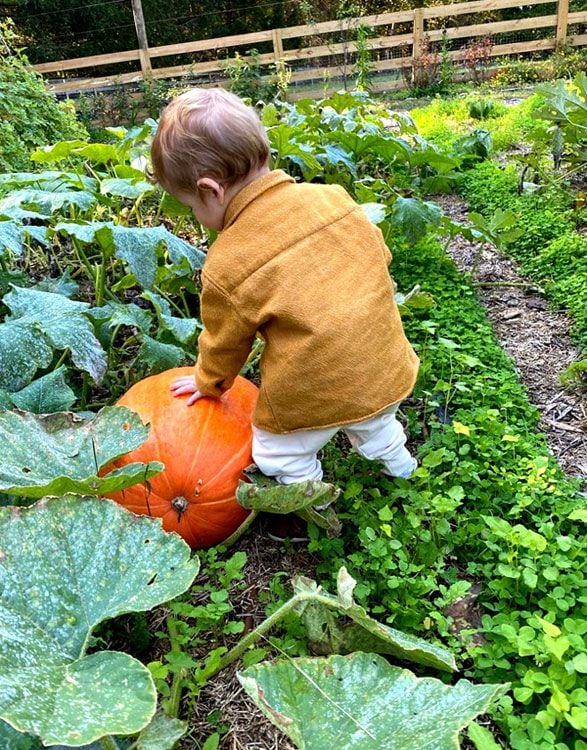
534,336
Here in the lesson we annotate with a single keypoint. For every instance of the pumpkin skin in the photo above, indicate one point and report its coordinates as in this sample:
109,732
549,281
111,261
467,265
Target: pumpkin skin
204,447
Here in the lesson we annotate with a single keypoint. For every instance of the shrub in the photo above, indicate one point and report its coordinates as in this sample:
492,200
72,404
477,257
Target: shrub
29,115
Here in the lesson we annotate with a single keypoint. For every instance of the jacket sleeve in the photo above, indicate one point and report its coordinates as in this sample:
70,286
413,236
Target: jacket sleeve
224,344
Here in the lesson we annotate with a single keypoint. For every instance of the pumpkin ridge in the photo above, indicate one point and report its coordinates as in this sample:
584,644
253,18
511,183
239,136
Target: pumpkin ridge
236,458
203,428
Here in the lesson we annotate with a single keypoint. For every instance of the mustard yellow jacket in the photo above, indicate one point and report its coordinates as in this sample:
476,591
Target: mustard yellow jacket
303,266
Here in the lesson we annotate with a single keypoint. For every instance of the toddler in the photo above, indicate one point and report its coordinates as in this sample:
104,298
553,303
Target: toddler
301,266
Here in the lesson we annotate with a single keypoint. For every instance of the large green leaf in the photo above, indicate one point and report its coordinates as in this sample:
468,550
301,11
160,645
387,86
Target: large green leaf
64,323
137,246
360,702
54,454
68,564
49,180
126,188
50,201
414,217
47,394
24,349
357,631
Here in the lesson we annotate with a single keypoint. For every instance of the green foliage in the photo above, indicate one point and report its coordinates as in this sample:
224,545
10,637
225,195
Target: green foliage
486,505
565,62
249,80
482,109
50,685
548,247
132,272
29,115
362,701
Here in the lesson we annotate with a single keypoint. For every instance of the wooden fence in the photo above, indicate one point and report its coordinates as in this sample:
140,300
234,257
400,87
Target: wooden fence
398,44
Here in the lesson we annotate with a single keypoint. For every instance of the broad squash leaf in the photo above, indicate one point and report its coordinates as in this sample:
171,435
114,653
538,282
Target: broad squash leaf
61,453
49,393
357,631
50,201
360,702
68,564
158,356
414,217
24,348
64,323
137,246
56,152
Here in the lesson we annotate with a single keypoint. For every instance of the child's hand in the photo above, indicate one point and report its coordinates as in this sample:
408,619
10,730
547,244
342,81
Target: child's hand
186,384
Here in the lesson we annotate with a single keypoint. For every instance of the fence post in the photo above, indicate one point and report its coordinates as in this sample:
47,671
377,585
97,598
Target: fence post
418,33
562,18
137,11
277,44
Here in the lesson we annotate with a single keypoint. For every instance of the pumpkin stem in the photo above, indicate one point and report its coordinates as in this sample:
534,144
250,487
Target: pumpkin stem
180,504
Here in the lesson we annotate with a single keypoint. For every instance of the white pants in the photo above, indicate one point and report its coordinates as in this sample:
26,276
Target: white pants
292,457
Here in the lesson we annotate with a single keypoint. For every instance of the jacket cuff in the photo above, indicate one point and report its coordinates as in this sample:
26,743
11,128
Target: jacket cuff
207,386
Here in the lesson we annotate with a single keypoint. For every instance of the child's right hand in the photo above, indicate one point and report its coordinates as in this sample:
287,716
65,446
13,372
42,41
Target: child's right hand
186,384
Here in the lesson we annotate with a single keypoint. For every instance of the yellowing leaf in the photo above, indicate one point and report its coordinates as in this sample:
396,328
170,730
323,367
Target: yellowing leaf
549,628
461,429
510,438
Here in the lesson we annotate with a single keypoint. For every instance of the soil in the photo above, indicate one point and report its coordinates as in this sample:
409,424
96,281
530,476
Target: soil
536,338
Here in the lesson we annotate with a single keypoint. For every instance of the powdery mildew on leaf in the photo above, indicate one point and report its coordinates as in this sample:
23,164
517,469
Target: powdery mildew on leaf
360,702
58,453
67,564
64,323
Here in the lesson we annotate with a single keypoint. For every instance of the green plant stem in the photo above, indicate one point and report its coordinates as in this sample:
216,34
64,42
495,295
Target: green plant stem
176,686
240,648
108,743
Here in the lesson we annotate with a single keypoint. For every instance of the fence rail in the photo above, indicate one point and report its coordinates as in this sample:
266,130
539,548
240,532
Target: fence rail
406,39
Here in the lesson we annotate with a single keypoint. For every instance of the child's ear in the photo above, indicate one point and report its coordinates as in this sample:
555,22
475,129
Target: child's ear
210,186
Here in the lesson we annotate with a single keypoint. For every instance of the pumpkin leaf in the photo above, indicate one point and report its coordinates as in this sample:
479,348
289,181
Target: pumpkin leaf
137,246
414,217
329,634
481,737
54,454
126,188
68,564
10,237
158,356
24,349
360,702
50,201
162,733
47,394
272,497
56,152
64,323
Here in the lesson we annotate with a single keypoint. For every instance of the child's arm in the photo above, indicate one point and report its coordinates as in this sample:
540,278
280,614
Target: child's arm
224,346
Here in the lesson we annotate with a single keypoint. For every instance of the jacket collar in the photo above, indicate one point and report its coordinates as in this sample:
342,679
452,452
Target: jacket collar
251,192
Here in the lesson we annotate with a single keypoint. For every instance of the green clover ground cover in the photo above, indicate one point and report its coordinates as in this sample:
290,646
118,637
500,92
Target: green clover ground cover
488,506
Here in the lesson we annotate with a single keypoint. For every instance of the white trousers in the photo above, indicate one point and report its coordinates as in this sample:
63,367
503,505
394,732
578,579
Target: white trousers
291,457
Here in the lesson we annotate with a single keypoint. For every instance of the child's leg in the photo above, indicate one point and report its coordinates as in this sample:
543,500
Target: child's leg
382,438
291,457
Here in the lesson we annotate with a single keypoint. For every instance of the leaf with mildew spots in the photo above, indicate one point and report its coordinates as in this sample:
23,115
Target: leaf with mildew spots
360,702
56,454
66,565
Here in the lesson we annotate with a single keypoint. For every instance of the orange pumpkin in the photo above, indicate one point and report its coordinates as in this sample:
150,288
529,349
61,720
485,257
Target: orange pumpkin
204,447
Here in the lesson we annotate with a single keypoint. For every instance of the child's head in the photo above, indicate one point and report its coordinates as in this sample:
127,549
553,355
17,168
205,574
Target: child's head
207,133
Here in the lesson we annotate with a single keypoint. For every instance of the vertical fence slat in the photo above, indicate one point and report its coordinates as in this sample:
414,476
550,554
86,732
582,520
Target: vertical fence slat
137,11
277,44
562,20
418,33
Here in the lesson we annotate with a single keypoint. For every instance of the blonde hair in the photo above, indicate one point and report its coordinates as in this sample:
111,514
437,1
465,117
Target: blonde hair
207,133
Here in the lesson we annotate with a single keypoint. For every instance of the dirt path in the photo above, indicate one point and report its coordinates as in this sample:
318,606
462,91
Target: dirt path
534,336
